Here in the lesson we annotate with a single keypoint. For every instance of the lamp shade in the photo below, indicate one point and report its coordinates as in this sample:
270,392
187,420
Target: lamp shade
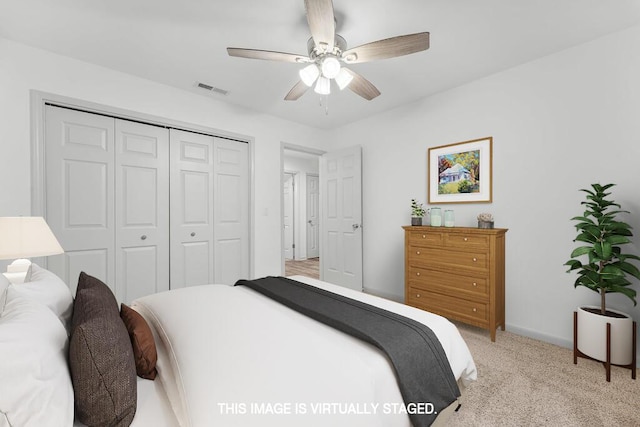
323,86
309,74
343,78
26,237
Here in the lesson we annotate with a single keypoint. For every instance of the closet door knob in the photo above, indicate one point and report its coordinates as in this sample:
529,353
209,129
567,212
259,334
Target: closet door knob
193,234
143,237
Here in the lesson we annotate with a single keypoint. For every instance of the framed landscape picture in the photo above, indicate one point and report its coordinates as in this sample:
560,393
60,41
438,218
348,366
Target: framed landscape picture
461,172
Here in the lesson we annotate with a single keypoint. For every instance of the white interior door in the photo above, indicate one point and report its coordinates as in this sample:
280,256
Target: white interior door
231,211
79,168
191,211
142,209
341,210
313,216
288,216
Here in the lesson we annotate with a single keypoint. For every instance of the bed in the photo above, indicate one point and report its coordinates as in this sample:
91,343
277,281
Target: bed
228,356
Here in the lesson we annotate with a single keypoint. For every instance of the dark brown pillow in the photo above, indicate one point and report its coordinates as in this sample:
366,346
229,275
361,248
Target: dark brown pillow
101,359
144,347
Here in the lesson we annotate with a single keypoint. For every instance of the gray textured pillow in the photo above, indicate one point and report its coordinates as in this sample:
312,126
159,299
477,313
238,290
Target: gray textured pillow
103,369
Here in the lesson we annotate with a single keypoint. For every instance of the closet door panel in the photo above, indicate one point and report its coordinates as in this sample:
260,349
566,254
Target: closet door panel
142,210
79,208
191,211
231,211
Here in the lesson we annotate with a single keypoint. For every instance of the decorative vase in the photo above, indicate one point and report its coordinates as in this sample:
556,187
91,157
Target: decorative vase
435,217
416,220
592,335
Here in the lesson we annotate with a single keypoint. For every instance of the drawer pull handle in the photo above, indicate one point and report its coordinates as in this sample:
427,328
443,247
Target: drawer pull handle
475,284
417,295
466,239
475,259
474,309
417,252
418,273
424,236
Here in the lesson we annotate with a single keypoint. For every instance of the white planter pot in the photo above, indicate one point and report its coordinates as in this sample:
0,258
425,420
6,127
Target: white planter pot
592,336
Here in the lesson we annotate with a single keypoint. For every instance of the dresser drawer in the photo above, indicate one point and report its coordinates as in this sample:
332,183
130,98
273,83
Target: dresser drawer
443,259
450,307
419,238
447,283
466,241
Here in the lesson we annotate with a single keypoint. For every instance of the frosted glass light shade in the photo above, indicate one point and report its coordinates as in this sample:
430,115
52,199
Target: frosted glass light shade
26,237
309,74
323,86
330,67
343,78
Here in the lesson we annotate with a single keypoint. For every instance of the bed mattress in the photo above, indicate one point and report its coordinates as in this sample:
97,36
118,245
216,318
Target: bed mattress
229,356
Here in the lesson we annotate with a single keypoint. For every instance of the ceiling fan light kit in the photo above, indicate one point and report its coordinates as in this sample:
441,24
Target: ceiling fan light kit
343,78
328,52
309,74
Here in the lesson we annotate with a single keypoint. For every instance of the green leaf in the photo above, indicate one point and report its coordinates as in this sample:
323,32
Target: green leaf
617,240
573,264
628,292
586,237
582,250
629,268
603,250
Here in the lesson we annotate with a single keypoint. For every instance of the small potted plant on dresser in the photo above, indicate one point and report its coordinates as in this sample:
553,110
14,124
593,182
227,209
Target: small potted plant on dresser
417,212
605,270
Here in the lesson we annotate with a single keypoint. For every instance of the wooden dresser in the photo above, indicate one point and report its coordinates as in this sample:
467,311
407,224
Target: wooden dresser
457,273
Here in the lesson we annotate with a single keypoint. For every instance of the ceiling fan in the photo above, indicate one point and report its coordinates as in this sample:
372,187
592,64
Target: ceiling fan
328,51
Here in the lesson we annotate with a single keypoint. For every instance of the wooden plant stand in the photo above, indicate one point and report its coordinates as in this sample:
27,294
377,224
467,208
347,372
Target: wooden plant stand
607,364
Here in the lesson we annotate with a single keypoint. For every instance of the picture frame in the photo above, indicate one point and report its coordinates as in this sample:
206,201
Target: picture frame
461,172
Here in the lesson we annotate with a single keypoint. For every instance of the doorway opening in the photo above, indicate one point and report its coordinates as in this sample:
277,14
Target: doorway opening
300,211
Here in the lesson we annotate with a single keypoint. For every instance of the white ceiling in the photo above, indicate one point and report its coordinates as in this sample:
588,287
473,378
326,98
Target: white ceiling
179,43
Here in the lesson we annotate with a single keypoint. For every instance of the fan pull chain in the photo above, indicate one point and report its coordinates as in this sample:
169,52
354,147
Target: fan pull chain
324,102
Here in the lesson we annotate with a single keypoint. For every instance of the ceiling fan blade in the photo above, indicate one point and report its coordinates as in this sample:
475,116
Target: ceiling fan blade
297,91
267,55
322,23
387,48
362,86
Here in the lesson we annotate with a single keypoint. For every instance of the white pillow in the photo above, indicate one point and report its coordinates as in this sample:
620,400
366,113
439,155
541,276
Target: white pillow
4,284
47,288
34,373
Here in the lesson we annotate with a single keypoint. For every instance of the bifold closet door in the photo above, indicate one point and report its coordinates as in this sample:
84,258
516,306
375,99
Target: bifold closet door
107,184
142,209
79,179
231,211
191,212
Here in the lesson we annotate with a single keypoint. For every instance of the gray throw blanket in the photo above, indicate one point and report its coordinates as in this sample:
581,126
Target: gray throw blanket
422,369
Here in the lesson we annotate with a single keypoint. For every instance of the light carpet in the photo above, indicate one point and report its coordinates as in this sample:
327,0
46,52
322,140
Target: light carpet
525,382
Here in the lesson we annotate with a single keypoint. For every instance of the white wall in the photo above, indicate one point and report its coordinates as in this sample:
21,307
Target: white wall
23,68
559,124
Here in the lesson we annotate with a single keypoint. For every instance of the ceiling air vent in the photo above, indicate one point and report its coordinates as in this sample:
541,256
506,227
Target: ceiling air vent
212,89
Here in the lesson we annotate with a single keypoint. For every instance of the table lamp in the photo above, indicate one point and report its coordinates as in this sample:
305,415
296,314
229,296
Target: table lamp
25,237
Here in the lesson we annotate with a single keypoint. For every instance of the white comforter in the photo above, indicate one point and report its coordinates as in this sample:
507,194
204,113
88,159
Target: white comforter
228,356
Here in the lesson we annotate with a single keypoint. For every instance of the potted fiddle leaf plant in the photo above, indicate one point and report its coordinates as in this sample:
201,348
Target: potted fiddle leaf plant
417,212
604,268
